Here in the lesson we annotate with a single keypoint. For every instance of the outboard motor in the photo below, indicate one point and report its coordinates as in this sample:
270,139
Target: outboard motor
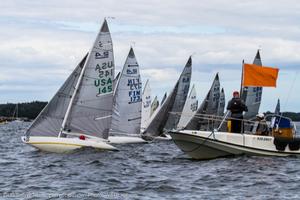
284,132
282,127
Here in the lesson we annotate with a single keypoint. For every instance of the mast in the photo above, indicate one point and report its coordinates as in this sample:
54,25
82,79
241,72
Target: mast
66,117
73,97
242,78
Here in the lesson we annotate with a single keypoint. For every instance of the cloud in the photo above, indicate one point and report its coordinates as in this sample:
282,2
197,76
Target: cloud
42,42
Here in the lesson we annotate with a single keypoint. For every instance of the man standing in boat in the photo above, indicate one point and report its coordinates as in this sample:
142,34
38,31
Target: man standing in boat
236,106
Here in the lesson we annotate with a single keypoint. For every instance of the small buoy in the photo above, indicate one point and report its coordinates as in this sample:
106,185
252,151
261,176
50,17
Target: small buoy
82,137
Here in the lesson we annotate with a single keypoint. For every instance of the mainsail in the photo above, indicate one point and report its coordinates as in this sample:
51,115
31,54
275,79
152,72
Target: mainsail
146,105
126,118
209,106
221,105
84,103
277,109
160,116
92,107
189,109
252,95
50,119
181,95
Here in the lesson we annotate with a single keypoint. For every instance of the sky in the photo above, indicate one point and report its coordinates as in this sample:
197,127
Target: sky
43,41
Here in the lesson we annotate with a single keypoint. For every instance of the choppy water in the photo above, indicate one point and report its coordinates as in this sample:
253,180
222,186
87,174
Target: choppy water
146,171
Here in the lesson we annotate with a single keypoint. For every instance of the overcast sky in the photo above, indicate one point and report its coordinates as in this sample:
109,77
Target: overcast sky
43,41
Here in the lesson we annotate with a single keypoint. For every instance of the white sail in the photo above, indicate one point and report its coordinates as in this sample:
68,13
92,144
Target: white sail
128,99
209,106
154,105
49,121
160,116
164,98
252,95
181,95
91,110
159,119
189,109
146,105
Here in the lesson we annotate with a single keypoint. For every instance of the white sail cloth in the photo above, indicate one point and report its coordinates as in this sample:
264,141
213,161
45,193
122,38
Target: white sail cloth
181,95
159,119
189,109
209,106
90,112
146,105
126,118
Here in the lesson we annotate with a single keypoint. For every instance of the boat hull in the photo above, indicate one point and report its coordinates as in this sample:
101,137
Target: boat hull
64,145
205,145
125,140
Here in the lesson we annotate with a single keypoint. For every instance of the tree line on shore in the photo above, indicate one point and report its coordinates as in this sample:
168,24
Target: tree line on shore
30,110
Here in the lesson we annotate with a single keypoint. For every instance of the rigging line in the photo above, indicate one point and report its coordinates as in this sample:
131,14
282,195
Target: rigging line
290,90
289,94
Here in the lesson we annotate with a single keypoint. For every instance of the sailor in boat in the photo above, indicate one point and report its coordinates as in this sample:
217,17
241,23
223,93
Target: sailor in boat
236,106
260,126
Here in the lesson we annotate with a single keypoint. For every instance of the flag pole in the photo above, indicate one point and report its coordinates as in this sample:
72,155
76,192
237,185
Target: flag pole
242,79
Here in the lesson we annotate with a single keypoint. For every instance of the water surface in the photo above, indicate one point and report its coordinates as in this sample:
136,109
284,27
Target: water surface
146,171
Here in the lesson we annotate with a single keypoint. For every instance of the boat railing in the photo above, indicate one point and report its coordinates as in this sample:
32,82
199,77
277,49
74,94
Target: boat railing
209,122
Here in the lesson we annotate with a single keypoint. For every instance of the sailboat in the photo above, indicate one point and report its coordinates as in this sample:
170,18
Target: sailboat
209,106
277,108
79,114
146,105
16,114
127,108
214,143
159,118
181,96
189,109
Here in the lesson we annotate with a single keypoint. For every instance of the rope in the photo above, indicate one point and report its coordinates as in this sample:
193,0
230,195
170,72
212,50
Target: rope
289,94
200,145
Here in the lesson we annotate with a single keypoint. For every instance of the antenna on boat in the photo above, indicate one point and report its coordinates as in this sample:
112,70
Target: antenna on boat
132,43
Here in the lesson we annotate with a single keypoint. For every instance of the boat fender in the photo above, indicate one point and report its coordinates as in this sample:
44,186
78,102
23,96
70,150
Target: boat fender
81,137
280,143
294,145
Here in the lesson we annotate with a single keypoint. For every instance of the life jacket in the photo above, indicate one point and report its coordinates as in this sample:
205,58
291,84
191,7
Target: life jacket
236,105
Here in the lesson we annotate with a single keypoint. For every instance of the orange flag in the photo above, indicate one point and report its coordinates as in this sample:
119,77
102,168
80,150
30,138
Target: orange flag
259,76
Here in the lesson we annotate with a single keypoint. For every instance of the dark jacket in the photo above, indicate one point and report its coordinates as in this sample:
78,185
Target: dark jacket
236,107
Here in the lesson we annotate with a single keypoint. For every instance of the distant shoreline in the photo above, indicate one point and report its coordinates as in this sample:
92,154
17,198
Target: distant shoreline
30,110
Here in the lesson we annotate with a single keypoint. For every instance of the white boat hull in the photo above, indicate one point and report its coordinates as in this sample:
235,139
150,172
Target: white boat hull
64,145
205,145
125,140
167,137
